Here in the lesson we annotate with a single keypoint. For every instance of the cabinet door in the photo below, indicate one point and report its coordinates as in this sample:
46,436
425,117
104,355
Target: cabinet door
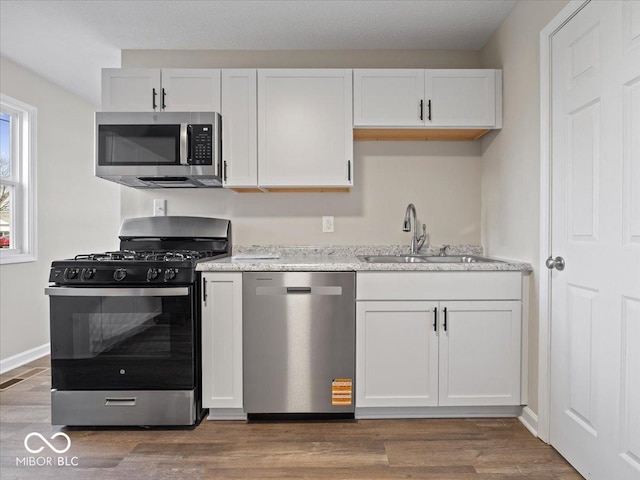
131,89
396,354
461,98
190,90
222,340
388,98
305,128
480,353
240,128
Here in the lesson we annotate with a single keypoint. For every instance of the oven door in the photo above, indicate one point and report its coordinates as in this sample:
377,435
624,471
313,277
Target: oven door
123,338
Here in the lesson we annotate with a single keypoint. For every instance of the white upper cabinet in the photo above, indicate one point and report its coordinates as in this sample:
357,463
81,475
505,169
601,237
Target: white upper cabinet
239,128
427,98
155,90
305,128
388,97
190,90
461,98
130,89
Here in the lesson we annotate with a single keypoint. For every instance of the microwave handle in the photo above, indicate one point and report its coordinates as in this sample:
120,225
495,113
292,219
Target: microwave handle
185,140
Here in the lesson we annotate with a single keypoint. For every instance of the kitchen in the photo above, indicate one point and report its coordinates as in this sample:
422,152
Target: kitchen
466,192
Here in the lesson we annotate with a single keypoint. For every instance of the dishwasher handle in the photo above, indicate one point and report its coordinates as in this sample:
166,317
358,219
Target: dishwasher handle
319,290
298,290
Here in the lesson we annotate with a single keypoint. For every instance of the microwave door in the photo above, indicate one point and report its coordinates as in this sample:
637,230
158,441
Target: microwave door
139,145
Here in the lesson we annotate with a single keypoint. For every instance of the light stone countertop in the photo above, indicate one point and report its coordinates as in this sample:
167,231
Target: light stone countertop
345,258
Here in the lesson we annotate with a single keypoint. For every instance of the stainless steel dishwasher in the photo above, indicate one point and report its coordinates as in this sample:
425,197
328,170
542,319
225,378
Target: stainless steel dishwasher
299,342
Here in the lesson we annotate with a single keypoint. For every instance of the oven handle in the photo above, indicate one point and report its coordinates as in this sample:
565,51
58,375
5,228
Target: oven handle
116,292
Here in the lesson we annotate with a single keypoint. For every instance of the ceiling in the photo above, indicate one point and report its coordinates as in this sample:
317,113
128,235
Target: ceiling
69,41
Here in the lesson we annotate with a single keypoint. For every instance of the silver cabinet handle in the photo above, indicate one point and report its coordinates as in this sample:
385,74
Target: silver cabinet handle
557,263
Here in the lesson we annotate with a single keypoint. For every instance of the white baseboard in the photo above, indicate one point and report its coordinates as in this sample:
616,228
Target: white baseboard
23,358
530,420
226,414
437,412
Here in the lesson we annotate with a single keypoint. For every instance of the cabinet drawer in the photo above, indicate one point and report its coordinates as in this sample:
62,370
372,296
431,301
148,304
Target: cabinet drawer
439,286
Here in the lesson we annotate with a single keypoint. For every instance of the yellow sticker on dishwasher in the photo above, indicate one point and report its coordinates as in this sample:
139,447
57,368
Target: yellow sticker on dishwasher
341,391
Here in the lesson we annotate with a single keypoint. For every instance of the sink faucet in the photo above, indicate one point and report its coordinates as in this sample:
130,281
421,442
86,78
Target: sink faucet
410,221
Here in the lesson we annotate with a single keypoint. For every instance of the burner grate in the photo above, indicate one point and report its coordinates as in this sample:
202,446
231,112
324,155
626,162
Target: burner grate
149,256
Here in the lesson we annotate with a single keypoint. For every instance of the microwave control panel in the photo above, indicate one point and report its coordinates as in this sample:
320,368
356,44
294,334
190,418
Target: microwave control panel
201,145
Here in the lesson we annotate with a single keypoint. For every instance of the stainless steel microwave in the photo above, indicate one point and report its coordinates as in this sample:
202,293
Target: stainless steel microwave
159,150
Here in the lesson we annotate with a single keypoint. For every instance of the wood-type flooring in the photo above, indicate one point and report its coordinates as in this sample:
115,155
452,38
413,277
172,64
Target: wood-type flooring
434,449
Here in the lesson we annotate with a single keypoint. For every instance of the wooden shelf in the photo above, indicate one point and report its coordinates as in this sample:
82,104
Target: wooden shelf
308,189
292,190
430,134
246,189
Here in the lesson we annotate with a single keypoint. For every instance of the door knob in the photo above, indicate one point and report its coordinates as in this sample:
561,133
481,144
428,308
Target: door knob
557,263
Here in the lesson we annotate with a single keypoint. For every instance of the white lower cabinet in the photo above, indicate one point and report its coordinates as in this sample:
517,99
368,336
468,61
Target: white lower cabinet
222,344
479,353
425,353
396,354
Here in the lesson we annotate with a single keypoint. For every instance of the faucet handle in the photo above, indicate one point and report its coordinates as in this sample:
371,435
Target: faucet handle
422,237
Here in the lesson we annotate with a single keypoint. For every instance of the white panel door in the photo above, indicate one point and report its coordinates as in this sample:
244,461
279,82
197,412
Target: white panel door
222,340
396,354
595,325
131,90
480,346
305,128
190,90
240,127
460,98
388,98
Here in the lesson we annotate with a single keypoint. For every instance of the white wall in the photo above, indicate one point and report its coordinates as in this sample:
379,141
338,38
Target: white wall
76,212
440,178
511,157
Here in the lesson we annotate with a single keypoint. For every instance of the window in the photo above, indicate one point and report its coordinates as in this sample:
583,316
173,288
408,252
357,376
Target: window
17,180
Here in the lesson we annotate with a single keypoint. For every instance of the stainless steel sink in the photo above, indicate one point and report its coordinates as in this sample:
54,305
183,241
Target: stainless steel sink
459,259
393,258
425,259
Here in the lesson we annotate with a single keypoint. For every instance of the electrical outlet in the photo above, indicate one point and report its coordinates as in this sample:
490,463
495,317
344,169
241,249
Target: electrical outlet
327,224
159,207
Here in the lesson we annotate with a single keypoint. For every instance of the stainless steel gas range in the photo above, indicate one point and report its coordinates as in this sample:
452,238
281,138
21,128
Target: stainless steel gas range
125,325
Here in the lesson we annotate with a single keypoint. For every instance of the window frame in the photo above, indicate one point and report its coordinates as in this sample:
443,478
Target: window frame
22,181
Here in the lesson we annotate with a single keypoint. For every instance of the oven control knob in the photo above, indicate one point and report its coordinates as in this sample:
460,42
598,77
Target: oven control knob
152,274
71,273
88,273
169,274
119,274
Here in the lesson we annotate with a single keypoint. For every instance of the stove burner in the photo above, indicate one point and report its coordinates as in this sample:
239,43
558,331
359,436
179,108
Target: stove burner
154,252
150,256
